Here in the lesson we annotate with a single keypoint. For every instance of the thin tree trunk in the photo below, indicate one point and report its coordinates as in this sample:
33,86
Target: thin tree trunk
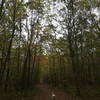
7,59
1,8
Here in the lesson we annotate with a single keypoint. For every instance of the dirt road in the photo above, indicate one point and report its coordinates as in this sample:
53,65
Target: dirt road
44,93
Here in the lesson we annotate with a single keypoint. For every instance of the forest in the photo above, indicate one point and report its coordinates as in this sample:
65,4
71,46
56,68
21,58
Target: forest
49,49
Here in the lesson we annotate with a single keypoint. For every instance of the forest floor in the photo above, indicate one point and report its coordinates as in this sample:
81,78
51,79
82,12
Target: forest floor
43,92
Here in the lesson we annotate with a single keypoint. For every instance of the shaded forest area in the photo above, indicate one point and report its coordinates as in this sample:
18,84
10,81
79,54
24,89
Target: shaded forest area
52,42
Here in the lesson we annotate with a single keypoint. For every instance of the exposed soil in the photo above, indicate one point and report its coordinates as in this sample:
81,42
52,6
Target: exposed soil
43,92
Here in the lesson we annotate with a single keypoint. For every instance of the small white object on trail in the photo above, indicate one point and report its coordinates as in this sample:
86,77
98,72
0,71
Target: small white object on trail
53,96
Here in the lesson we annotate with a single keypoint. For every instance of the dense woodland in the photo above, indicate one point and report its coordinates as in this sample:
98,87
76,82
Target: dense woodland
54,42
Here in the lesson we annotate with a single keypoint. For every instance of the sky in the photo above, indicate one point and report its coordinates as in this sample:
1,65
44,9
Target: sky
55,10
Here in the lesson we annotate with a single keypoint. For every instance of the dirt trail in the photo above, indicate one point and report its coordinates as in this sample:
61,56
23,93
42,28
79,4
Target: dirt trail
43,92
